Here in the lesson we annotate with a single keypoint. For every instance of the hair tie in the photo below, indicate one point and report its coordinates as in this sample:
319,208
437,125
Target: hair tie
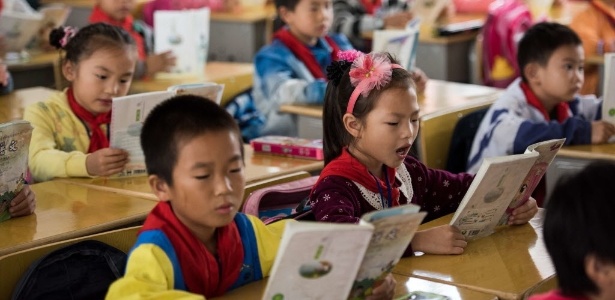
368,72
69,33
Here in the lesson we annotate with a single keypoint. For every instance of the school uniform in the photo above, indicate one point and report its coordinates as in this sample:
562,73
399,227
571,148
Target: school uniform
60,140
288,71
346,190
518,119
169,262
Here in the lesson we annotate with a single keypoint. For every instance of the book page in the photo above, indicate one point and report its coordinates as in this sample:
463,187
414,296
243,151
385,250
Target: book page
129,113
546,153
393,231
14,144
497,182
402,44
317,260
19,29
608,90
209,90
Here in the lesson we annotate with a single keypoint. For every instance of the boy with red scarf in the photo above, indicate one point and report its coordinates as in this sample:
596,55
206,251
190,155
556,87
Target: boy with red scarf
194,243
544,103
118,13
292,68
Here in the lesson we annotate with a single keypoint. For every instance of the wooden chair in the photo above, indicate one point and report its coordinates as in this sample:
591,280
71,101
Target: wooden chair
15,264
437,129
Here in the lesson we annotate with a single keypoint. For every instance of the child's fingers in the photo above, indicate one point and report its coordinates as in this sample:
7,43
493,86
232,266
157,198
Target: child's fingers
23,204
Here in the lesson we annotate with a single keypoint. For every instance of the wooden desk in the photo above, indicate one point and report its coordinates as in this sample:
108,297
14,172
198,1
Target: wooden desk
40,69
439,95
405,285
510,263
65,211
258,167
12,105
236,77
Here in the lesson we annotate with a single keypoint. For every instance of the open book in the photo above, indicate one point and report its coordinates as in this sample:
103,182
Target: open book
502,184
608,90
14,143
341,261
401,43
129,113
186,33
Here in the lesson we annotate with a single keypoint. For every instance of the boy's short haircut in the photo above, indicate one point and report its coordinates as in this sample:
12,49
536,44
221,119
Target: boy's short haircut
289,4
174,122
540,41
578,223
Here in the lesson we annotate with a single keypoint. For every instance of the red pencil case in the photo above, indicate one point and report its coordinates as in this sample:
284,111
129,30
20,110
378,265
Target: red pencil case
289,146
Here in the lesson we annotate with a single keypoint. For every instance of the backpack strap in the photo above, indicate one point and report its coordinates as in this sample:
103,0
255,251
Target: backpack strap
251,268
158,238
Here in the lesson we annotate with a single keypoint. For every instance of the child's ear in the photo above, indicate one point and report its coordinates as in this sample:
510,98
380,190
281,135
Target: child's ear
159,187
69,70
531,72
600,271
352,124
283,13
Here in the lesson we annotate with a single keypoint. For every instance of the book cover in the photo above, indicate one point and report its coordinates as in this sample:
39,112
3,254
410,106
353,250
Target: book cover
209,90
14,144
498,181
401,43
186,33
19,28
546,153
289,146
608,90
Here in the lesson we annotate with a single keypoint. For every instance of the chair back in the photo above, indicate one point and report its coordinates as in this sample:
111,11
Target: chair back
462,139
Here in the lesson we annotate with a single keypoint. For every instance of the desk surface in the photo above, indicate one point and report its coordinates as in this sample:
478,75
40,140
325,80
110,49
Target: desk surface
509,263
65,211
602,151
36,58
256,289
12,105
236,77
246,14
258,167
438,95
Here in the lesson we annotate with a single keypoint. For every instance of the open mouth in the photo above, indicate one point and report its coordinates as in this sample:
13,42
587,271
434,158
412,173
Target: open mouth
402,151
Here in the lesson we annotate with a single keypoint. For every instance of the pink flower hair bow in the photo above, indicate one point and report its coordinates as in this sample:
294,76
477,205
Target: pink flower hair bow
368,72
69,33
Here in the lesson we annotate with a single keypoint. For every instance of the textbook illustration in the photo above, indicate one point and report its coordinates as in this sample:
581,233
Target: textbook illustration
608,90
341,261
129,113
401,43
502,184
289,146
14,144
186,33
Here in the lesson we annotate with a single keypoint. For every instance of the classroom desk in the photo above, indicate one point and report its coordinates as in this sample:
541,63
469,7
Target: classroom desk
258,167
236,77
65,211
12,105
405,285
438,95
510,263
39,69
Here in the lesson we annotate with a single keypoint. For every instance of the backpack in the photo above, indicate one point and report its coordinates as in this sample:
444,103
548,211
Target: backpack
247,116
506,22
282,201
84,270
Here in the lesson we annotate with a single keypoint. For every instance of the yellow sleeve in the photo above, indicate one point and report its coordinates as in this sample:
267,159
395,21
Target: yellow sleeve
268,239
149,275
46,161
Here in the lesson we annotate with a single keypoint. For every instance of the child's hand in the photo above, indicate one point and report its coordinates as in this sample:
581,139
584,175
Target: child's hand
24,203
4,74
106,162
420,78
397,20
386,289
523,213
445,239
161,62
602,131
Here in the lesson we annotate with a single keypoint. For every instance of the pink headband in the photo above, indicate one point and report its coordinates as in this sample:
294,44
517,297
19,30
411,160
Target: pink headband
368,71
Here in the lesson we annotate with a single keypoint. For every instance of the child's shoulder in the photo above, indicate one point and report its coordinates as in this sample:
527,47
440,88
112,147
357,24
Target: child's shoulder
56,102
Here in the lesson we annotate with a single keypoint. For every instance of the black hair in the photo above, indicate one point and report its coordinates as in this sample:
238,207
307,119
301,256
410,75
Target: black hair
578,223
289,4
175,121
89,39
335,135
540,41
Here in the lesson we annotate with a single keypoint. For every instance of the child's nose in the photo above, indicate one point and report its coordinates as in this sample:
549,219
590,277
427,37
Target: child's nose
112,88
222,185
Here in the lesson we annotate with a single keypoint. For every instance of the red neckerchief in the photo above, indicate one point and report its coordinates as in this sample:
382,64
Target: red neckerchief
203,273
349,167
607,10
371,5
99,16
98,139
303,53
561,109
